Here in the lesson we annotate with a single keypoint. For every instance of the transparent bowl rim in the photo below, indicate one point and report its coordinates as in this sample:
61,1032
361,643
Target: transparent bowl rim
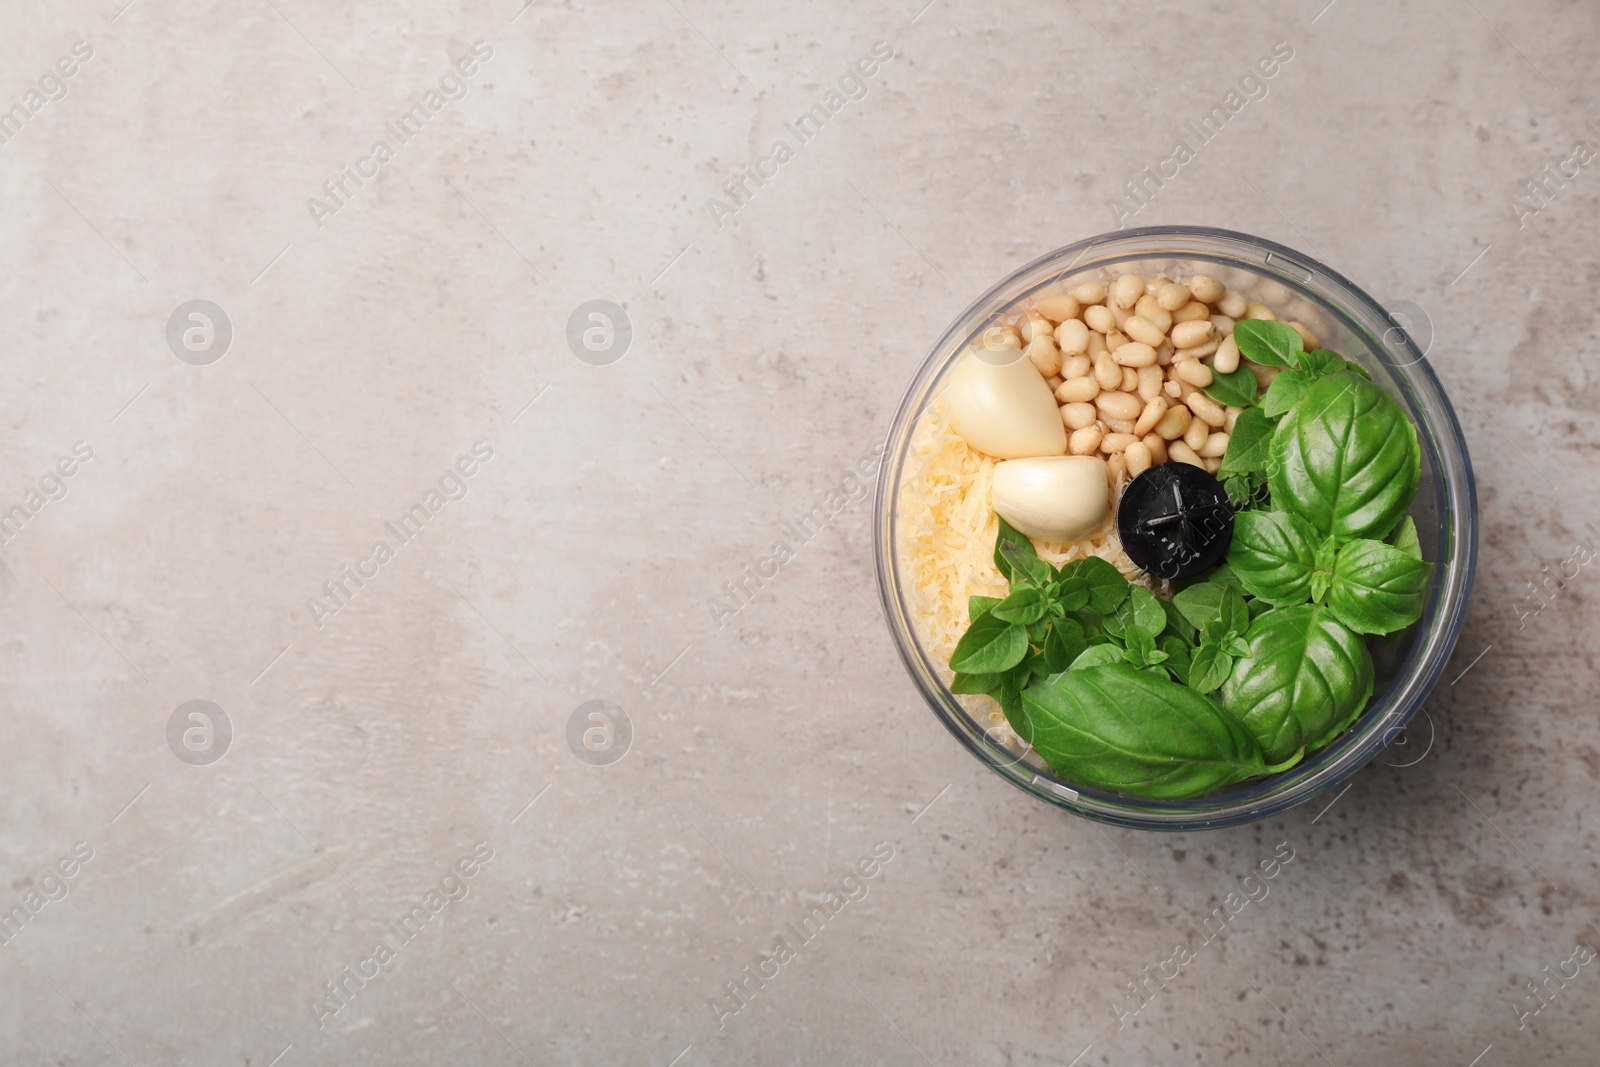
1456,547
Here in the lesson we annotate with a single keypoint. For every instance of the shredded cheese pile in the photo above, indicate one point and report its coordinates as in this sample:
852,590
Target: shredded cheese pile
946,533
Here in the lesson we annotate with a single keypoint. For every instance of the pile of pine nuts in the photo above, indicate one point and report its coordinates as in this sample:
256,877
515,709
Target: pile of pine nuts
1129,363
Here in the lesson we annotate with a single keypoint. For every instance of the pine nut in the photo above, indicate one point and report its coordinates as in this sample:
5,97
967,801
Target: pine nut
1135,354
1227,360
1173,296
1078,390
1077,415
1072,337
1144,331
1213,465
1272,292
1164,353
1115,340
1171,389
1126,290
1122,405
1190,312
1116,425
1174,423
1107,371
1089,293
1195,373
1099,317
1130,381
1120,315
1223,324
1179,452
1260,311
1202,351
1216,444
1150,379
1192,333
1116,442
1054,382
1031,324
1264,375
1206,289
1116,470
1076,367
1195,436
1042,351
1208,410
1084,442
1137,456
1059,308
1152,312
1233,417
1157,447
1097,344
1308,340
1233,304
1154,409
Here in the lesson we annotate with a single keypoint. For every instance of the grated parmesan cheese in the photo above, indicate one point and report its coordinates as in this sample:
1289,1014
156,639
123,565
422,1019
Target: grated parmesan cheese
946,532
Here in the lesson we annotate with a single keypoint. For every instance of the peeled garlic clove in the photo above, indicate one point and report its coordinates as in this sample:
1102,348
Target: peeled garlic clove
1002,405
1052,498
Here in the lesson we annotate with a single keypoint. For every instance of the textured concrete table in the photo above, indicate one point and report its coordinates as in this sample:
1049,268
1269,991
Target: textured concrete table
398,502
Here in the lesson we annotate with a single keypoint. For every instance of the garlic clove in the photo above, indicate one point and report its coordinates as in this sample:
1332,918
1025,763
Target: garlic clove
1000,403
1052,498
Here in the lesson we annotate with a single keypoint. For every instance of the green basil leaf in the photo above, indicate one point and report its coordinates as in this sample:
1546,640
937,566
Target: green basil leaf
1235,615
1345,459
989,646
974,683
1097,656
1009,695
1214,632
1237,389
1306,673
1274,554
1063,644
1178,624
1377,588
1142,651
1071,592
1320,363
1235,647
1025,566
977,605
1117,728
1140,610
1179,654
1285,389
1201,602
1010,535
1024,604
1405,538
1107,586
1271,344
1258,608
1209,668
1250,444
1356,369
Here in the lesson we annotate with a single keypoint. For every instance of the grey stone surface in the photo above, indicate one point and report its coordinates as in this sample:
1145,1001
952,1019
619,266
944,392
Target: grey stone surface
374,748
